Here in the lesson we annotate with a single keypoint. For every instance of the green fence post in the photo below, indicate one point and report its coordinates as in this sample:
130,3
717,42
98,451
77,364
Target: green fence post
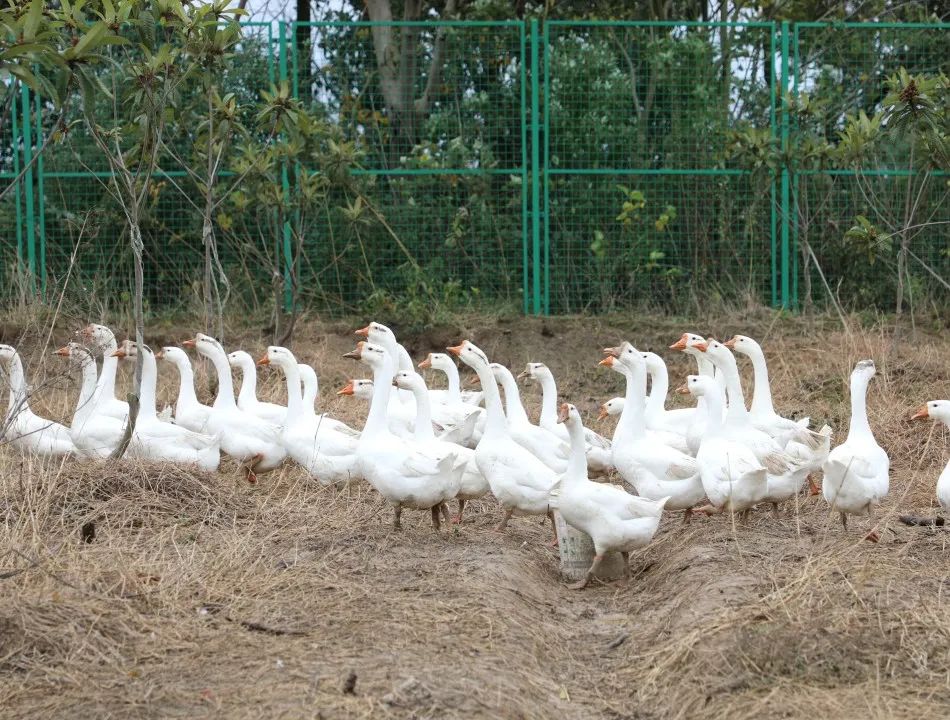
535,179
16,190
525,218
795,180
773,190
545,177
28,186
785,173
41,203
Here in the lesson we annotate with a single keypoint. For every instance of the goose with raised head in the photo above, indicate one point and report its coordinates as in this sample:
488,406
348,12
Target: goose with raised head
101,341
653,469
737,421
690,343
733,478
93,433
380,334
545,445
163,441
598,447
247,394
361,389
23,428
453,392
252,441
856,472
189,413
406,473
657,416
519,480
311,440
473,483
611,408
939,410
615,520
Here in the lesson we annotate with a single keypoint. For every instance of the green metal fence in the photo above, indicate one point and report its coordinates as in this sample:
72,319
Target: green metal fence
562,167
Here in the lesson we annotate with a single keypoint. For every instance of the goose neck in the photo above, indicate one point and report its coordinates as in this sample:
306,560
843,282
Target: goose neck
87,391
632,424
423,431
548,397
18,389
495,420
376,423
761,390
247,395
859,426
513,407
736,408
295,402
660,386
186,385
149,382
577,462
452,376
225,396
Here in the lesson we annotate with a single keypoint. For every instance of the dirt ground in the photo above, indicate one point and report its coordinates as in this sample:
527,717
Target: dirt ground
201,596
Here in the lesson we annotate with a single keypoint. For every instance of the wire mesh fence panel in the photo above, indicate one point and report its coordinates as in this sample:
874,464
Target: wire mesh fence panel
432,122
641,203
844,70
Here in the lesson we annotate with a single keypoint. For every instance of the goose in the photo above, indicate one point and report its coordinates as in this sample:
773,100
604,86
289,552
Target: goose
519,480
473,483
598,447
733,478
93,433
103,342
690,343
737,422
189,413
614,519
453,393
611,408
247,395
311,440
657,416
939,410
761,411
545,445
856,472
253,442
406,473
653,469
162,441
361,389
23,428
379,334
614,407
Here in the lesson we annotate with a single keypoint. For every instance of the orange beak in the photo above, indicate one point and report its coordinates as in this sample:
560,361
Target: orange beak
608,361
395,383
564,413
355,354
731,343
119,354
346,389
427,363
160,355
523,375
679,344
363,332
614,351
457,349
188,343
64,351
264,360
473,380
701,346
603,413
682,390
921,413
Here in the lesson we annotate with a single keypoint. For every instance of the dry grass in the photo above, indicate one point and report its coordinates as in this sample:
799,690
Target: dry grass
202,596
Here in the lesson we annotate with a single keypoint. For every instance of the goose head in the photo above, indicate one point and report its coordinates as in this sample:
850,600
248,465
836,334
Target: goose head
128,350
7,353
205,345
274,355
407,380
614,406
470,354
864,370
175,355
98,337
378,334
361,389
437,361
535,371
77,353
935,410
653,361
743,344
240,359
717,352
698,386
568,415
690,343
368,353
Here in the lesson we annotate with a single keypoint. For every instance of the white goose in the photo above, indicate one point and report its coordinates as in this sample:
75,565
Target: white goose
473,483
939,410
23,428
733,478
737,421
449,410
93,433
614,519
598,447
856,472
453,393
247,395
518,479
361,389
163,441
657,416
545,445
189,413
253,442
311,440
655,470
405,472
379,334
690,343
102,342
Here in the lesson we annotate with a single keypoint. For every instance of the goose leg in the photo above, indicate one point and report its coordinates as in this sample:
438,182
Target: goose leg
709,510
554,542
504,521
582,583
687,516
397,517
435,517
872,535
445,513
249,466
458,518
775,510
813,488
626,564
844,520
